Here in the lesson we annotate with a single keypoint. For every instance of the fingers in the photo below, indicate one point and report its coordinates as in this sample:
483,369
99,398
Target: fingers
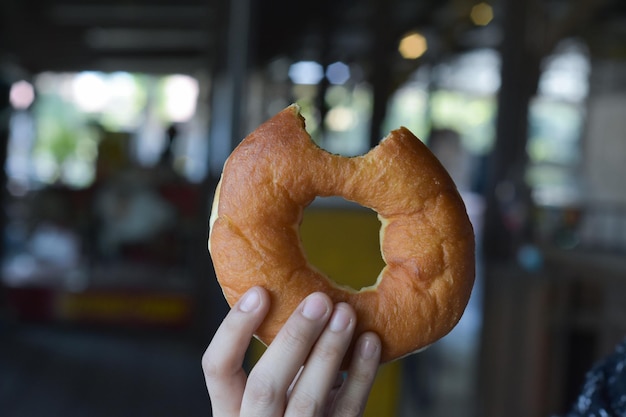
223,359
352,397
269,381
311,392
311,344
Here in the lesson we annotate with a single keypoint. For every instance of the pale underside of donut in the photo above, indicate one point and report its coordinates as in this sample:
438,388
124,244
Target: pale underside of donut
426,238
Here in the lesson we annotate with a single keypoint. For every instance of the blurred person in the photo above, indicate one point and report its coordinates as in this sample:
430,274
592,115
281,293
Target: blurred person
604,390
299,373
447,146
464,169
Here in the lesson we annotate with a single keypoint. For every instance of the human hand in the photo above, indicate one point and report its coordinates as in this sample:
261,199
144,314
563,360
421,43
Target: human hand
298,373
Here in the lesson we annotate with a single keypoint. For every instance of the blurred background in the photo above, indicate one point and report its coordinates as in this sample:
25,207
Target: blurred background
117,116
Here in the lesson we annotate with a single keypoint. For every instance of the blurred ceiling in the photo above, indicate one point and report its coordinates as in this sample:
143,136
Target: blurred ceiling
189,35
144,35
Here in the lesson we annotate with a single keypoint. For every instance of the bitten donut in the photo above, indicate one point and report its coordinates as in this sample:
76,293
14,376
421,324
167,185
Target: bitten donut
426,238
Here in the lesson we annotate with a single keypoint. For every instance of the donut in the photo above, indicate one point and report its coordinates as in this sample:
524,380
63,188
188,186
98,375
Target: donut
426,238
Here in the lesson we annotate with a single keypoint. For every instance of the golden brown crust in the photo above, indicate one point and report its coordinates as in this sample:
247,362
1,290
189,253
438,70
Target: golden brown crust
427,240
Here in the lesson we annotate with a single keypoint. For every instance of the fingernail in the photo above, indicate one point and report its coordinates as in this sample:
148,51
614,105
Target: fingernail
314,308
250,301
368,348
340,321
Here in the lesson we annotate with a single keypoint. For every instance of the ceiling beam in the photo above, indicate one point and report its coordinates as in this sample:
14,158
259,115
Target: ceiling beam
162,15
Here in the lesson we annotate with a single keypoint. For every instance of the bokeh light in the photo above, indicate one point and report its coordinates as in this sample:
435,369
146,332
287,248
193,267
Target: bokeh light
90,92
338,73
481,14
22,95
413,45
181,94
306,72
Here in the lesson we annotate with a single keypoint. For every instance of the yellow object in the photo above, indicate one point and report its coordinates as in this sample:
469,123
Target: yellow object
128,308
413,45
344,244
481,14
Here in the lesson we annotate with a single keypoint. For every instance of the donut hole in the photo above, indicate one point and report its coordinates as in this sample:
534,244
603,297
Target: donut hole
341,239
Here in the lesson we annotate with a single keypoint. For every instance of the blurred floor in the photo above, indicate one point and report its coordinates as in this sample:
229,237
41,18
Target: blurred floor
51,371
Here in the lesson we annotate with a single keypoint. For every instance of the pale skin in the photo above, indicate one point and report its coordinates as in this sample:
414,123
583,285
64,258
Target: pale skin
298,375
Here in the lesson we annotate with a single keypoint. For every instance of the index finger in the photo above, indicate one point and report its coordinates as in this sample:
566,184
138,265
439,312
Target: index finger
222,362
